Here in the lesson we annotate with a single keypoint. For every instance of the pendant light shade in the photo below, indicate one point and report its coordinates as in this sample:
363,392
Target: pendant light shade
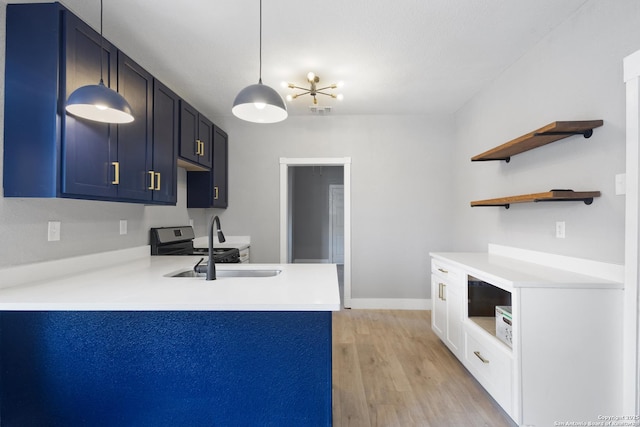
98,102
259,103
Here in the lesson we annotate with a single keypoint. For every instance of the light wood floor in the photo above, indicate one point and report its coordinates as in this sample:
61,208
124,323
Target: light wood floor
389,369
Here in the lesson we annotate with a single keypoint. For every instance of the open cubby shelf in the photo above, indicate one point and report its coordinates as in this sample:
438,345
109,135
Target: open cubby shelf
548,196
545,135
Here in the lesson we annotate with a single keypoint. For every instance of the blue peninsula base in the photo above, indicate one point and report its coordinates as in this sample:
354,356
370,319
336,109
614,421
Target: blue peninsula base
165,368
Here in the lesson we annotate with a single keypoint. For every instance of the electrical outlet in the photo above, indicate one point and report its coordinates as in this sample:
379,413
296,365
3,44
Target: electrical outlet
191,222
123,226
560,229
53,231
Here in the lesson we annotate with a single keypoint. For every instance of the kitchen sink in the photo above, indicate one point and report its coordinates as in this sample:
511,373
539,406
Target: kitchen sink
229,273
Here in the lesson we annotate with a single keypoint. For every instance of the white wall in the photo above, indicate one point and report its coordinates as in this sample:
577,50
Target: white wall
400,175
573,74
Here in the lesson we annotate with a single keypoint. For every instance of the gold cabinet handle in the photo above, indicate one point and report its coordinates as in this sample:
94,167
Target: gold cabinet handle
442,292
199,148
215,192
479,356
116,173
151,184
157,181
442,270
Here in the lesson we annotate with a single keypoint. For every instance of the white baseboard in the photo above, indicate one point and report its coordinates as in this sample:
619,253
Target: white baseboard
390,303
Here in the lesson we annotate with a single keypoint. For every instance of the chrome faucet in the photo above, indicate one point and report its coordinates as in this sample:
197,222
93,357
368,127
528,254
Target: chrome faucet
210,268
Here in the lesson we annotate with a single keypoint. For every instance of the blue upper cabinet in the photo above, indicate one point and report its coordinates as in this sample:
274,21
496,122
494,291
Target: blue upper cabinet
209,189
166,115
48,153
90,154
33,121
196,138
137,180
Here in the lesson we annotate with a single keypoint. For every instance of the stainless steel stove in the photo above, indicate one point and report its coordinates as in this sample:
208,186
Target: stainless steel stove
179,241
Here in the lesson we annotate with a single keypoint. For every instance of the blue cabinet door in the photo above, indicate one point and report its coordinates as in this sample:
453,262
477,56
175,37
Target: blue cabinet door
196,136
189,147
135,139
209,189
205,136
89,148
220,167
166,113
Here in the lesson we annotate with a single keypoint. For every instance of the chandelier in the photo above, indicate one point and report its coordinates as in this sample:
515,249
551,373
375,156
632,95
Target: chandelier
313,89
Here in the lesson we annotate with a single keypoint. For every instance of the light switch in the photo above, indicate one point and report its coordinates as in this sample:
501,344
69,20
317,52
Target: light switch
53,231
123,226
560,232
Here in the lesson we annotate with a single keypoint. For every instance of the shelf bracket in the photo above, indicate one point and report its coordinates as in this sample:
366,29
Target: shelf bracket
586,133
586,200
506,159
505,205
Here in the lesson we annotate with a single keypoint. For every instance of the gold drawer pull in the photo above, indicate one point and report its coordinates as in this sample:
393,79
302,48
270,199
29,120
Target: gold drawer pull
215,197
479,356
151,185
116,173
443,270
157,181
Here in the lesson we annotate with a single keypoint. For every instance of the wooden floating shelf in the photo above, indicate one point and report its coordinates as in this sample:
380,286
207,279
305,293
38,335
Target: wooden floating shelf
549,196
545,135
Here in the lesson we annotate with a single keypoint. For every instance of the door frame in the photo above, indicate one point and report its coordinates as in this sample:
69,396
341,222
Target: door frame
285,225
631,313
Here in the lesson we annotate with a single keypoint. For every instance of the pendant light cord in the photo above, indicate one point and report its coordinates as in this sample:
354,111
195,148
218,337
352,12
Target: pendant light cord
101,44
260,79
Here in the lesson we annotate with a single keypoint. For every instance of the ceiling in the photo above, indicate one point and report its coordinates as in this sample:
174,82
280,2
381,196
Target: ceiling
400,57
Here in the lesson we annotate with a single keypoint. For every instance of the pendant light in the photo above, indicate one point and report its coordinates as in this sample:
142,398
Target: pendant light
259,103
98,102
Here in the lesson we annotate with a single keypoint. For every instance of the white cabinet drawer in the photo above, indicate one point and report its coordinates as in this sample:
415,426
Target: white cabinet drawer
445,271
491,366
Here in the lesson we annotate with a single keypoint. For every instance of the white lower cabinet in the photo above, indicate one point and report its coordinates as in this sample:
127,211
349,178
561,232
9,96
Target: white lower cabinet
563,364
491,364
446,294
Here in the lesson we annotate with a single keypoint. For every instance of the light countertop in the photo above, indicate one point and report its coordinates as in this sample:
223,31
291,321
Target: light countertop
508,273
132,280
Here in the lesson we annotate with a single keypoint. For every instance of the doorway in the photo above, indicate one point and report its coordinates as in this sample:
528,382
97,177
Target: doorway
329,239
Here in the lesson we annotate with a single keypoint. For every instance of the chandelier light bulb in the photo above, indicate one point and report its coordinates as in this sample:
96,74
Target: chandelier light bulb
340,97
311,76
289,98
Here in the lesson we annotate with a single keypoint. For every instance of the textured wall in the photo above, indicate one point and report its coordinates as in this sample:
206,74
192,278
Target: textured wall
165,369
